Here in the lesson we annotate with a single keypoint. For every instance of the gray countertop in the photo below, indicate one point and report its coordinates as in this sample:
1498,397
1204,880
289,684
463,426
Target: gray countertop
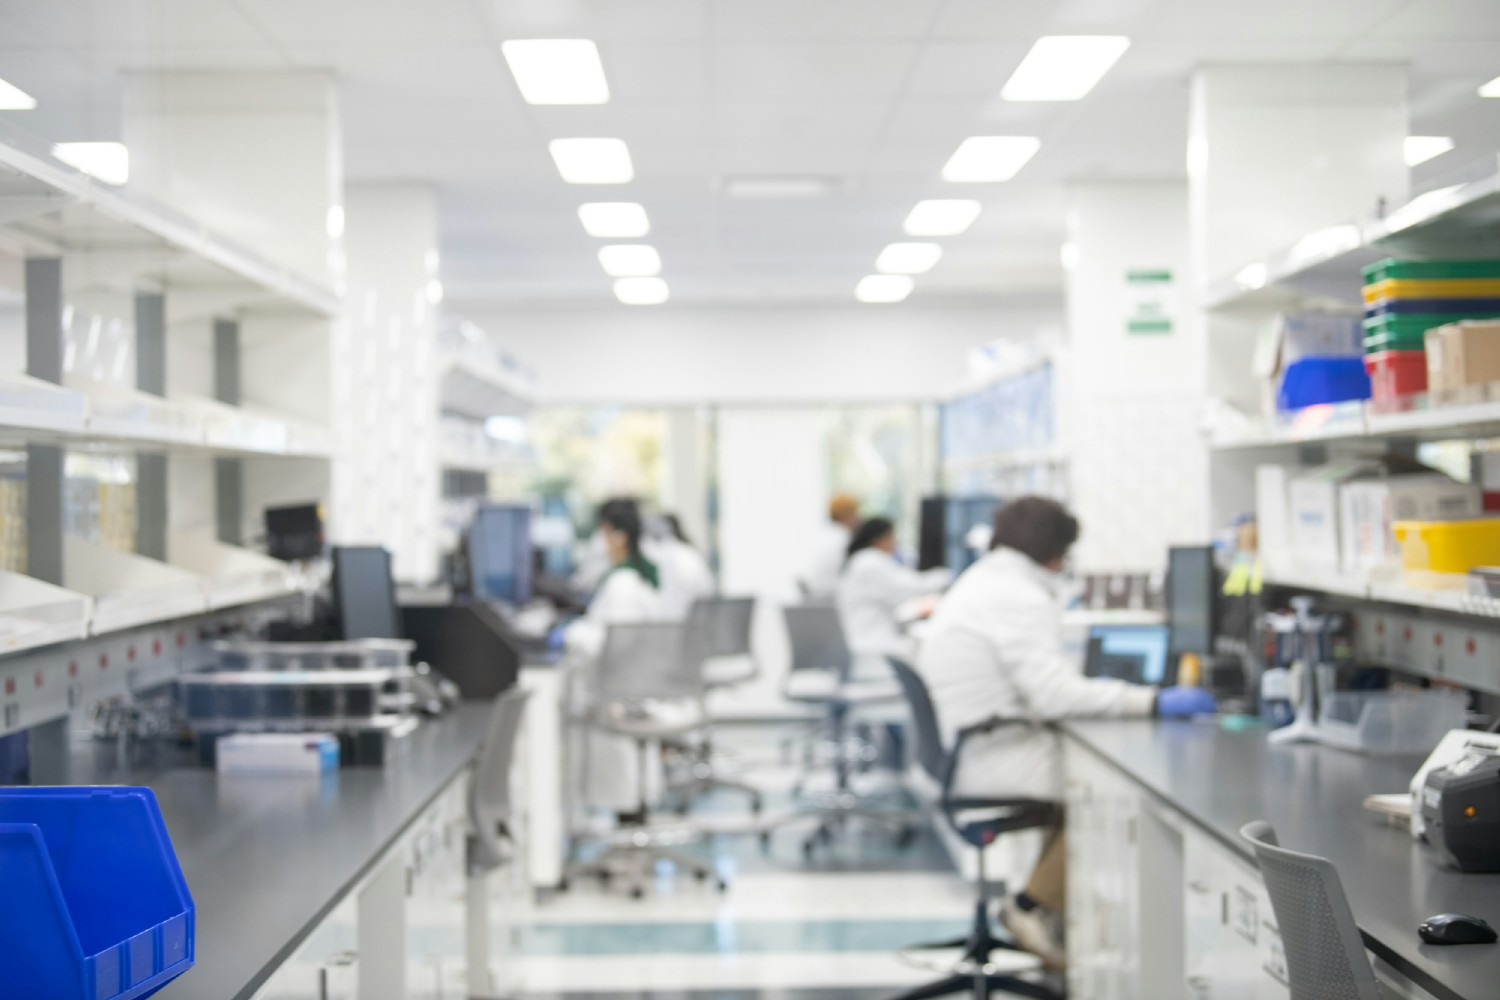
1313,796
266,858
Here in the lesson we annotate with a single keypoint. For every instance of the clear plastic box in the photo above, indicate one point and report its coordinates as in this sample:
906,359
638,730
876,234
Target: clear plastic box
357,654
1390,722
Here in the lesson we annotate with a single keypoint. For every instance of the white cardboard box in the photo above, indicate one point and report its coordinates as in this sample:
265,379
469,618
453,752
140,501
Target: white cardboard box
1367,507
1272,516
277,753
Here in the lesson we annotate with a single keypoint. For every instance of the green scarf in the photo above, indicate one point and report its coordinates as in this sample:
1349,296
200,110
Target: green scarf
645,567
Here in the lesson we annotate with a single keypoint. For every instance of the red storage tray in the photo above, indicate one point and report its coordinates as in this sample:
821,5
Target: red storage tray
1396,373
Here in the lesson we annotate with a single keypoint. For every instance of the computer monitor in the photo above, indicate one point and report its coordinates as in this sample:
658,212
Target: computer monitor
1134,653
364,594
1192,587
944,529
294,533
499,551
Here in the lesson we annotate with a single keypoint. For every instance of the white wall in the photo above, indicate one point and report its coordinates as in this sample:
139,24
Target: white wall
745,354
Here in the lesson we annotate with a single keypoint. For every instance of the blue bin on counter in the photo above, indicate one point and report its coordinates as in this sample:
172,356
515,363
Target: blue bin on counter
93,905
1310,381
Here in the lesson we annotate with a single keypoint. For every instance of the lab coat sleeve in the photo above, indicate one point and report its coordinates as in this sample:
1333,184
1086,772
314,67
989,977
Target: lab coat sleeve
1050,682
897,583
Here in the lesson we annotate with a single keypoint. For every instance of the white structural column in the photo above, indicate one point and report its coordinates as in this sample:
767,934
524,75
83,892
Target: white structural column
258,157
386,478
1134,377
1280,157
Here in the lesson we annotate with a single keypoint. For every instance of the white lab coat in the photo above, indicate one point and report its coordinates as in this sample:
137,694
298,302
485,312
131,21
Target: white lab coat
685,576
994,648
873,585
611,765
826,560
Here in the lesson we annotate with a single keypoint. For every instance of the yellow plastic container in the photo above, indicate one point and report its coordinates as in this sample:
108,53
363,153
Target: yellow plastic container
1449,546
1435,288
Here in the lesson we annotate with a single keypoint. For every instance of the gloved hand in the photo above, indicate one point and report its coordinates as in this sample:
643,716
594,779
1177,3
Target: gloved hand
1180,702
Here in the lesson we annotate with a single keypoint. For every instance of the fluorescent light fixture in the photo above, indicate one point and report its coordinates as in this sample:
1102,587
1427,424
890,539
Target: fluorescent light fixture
1491,89
1068,255
511,430
13,98
630,260
1421,148
908,258
105,161
641,291
988,158
782,188
334,224
1064,67
1252,276
942,217
883,288
557,70
434,291
592,161
614,220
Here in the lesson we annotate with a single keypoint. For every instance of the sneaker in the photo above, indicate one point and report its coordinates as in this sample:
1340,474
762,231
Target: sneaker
1038,930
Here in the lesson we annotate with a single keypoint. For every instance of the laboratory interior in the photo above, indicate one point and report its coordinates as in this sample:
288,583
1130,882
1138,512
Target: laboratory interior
749,499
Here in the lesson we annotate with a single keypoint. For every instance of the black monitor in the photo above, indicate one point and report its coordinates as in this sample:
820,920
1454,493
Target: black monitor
499,553
1192,589
945,526
364,594
1134,653
294,533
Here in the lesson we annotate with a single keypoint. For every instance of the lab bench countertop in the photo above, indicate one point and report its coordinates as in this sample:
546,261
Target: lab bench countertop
1313,796
267,857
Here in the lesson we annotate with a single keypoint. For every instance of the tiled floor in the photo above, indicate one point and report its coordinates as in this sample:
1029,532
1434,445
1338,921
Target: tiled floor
789,927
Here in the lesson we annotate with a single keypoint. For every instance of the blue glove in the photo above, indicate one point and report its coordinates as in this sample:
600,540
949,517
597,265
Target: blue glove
1180,702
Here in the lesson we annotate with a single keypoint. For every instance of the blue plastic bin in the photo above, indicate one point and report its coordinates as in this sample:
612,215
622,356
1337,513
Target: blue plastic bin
93,905
1311,381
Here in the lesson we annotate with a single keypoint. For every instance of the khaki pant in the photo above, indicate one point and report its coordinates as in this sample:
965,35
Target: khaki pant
1049,879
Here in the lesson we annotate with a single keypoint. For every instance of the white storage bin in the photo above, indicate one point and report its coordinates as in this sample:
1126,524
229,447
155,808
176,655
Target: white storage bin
1389,722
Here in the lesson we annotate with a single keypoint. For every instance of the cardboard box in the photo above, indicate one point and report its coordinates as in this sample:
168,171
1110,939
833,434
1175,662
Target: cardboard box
1272,520
1313,510
277,753
1471,353
1368,508
1290,338
1437,365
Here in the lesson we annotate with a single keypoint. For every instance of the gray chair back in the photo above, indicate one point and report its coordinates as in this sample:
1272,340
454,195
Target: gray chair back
1325,955
817,636
651,660
930,751
726,624
489,802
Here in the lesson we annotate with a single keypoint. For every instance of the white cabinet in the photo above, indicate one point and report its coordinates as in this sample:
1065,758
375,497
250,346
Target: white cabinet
1232,950
325,967
1103,891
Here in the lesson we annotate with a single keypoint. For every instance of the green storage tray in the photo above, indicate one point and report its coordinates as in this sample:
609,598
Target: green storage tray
1427,270
1383,341
1407,324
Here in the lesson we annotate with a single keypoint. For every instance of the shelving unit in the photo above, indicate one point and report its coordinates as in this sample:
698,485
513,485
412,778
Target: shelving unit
127,589
1356,421
33,613
230,576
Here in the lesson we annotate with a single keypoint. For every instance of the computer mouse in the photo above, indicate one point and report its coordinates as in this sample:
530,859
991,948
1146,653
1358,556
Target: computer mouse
1456,928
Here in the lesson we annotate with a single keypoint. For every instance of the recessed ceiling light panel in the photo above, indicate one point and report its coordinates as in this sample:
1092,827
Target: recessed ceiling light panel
908,258
883,288
1491,89
990,158
557,70
592,161
13,98
942,217
641,291
630,260
614,220
105,161
1064,67
1421,148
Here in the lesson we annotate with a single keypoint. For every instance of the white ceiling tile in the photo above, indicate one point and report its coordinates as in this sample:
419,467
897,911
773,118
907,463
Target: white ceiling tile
143,25
655,70
799,124
964,69
864,70
601,20
736,20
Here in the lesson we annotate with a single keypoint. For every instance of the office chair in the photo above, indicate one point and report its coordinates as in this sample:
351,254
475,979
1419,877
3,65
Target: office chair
729,662
979,821
489,800
1325,955
819,676
643,663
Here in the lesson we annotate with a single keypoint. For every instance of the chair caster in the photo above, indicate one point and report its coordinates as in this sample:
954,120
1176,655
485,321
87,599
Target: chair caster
722,885
637,892
905,837
604,878
808,847
765,843
755,805
562,885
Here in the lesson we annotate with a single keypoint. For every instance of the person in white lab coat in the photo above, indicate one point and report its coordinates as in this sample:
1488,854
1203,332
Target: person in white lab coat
873,586
831,548
994,649
629,593
685,576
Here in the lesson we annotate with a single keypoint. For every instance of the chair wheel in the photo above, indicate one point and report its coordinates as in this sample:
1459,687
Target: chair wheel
808,846
765,843
562,885
906,837
701,875
604,877
755,805
637,892
722,885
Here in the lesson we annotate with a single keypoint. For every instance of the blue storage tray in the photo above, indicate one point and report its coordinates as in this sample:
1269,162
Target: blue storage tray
1315,380
93,904
1436,307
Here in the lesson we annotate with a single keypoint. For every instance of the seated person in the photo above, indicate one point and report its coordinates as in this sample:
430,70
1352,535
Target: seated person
873,585
994,648
685,576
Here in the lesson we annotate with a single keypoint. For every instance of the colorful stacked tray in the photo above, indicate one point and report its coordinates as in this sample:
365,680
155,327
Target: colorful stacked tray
1406,298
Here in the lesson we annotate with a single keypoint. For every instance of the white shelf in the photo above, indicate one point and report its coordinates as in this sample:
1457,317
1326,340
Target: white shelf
1360,421
249,431
127,589
1430,591
61,211
30,404
1322,270
33,613
231,576
125,414
479,388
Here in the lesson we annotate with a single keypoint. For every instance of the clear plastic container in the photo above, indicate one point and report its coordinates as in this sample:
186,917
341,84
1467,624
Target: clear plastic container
1389,722
354,654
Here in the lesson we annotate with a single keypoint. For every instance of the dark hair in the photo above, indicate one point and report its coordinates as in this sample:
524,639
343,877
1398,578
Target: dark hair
867,534
674,525
1037,527
623,515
